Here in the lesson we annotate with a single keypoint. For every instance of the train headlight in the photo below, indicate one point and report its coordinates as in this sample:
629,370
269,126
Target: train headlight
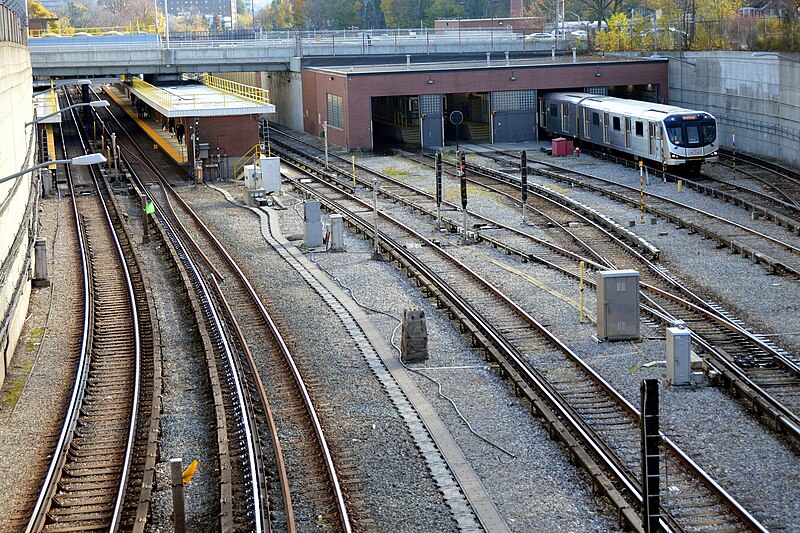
712,154
673,156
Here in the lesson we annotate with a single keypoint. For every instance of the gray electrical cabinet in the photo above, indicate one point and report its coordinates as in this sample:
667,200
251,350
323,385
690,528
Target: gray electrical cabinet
679,356
618,304
312,218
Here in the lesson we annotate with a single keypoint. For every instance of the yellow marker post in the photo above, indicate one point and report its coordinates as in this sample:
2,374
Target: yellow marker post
580,292
680,185
354,170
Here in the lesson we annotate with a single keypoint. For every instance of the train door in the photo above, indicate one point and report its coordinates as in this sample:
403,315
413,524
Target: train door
627,132
654,134
586,131
606,137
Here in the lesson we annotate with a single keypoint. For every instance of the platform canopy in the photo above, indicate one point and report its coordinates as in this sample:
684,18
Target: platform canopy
215,97
46,104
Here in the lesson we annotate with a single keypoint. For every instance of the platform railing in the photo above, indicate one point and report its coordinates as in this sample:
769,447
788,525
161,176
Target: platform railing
252,156
248,92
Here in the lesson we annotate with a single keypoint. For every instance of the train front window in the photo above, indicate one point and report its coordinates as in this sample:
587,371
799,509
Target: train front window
709,132
692,134
675,134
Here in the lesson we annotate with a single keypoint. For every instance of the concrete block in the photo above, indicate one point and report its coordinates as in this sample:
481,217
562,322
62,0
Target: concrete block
414,342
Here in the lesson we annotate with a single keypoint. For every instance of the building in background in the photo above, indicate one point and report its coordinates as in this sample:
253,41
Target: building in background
226,9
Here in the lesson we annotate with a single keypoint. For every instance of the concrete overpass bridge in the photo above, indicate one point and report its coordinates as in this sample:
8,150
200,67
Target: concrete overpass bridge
103,56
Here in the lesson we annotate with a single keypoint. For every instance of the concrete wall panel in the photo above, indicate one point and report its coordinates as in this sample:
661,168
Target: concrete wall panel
759,97
15,238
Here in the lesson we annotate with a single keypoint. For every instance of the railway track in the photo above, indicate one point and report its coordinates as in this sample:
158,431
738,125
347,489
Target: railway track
768,192
750,366
763,246
781,183
96,475
303,481
579,406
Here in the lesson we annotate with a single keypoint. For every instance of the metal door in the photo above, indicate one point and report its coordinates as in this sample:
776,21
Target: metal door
653,133
431,123
618,304
513,116
627,132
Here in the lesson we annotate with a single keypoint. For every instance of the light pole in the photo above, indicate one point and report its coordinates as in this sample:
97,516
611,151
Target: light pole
81,160
325,131
166,22
94,104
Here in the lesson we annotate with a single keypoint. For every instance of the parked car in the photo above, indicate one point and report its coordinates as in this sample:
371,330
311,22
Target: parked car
581,35
539,37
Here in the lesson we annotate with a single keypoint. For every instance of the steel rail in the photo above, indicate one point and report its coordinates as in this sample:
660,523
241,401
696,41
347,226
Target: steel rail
762,401
520,366
78,389
217,322
306,396
342,510
76,401
169,221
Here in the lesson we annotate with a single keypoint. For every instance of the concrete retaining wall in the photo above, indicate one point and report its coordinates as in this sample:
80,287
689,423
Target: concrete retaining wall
15,195
758,97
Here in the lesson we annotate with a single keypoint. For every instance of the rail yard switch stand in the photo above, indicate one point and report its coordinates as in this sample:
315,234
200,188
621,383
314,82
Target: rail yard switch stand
414,343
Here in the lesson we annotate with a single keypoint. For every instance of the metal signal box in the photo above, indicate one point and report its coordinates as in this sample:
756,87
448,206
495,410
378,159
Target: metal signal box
679,353
618,305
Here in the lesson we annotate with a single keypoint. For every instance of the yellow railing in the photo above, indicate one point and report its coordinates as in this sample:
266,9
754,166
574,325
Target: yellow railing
106,30
252,155
151,91
248,92
183,101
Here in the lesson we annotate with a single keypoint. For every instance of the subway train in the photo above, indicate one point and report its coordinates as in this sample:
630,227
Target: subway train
660,133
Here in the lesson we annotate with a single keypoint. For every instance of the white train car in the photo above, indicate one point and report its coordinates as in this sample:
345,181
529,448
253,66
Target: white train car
657,132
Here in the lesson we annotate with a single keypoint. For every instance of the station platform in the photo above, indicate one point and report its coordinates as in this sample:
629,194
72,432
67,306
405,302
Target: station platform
166,141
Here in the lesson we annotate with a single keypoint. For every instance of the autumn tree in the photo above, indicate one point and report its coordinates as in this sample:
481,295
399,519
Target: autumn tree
340,14
443,9
402,13
38,11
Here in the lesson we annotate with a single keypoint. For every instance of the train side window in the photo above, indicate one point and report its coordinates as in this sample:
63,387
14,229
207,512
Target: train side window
553,110
639,129
615,123
596,119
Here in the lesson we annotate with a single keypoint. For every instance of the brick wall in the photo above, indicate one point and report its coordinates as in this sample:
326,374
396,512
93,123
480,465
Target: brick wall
357,89
234,135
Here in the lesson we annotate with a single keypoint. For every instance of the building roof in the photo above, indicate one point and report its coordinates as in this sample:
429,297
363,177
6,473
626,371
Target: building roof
545,61
196,100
